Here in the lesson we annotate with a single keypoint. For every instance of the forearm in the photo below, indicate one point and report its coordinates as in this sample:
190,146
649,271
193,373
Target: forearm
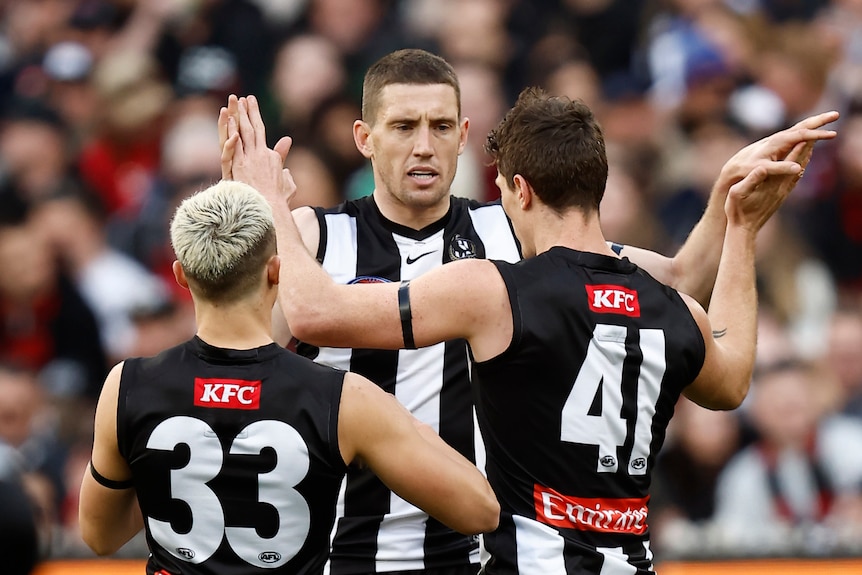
733,312
465,500
695,265
304,285
108,519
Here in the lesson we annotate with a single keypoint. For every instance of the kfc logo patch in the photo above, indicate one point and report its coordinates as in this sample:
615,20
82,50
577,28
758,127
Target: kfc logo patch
613,299
227,393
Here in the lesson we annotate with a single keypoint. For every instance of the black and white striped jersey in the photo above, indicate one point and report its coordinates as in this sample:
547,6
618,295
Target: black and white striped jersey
234,457
377,531
574,412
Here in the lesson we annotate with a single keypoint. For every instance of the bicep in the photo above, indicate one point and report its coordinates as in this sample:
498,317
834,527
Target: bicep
108,517
446,303
106,452
707,390
464,299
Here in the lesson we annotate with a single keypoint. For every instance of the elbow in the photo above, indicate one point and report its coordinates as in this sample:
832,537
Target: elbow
485,518
97,544
733,395
306,323
491,517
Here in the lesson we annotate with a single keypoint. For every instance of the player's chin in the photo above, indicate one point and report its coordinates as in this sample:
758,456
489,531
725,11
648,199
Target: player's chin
427,196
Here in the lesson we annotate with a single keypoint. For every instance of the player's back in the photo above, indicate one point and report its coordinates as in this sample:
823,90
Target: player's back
575,411
235,458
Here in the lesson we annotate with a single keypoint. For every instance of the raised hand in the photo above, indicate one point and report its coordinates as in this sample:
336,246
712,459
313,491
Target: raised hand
777,152
245,155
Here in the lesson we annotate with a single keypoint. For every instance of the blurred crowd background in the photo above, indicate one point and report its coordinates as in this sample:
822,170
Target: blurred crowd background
108,119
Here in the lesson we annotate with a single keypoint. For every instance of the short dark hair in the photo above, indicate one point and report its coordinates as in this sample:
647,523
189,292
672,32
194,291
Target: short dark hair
557,145
408,66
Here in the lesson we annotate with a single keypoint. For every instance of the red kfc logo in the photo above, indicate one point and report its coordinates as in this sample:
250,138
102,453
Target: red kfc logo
613,299
227,393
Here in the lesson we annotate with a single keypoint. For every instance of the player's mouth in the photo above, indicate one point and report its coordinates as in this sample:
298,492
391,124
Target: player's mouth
423,176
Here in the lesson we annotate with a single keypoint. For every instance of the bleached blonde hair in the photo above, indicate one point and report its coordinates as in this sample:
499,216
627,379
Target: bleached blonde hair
223,237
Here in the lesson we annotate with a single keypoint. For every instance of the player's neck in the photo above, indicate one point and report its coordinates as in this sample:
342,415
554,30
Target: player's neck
235,326
573,230
415,217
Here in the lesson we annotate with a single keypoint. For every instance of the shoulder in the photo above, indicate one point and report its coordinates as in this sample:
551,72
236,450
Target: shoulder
309,227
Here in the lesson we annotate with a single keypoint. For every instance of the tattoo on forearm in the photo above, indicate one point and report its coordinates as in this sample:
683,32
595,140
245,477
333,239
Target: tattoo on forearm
717,333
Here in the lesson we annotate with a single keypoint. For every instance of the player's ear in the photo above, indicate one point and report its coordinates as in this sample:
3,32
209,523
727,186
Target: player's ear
465,127
180,274
362,138
523,191
273,268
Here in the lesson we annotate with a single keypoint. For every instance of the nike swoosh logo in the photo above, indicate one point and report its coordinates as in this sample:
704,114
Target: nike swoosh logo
413,260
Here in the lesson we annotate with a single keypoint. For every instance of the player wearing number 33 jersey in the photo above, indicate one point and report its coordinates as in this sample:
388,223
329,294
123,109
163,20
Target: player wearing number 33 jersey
230,450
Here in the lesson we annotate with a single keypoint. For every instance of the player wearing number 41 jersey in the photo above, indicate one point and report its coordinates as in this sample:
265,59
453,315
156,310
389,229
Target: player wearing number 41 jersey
579,355
228,449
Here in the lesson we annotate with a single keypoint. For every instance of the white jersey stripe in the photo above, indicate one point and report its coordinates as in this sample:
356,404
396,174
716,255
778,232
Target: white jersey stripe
492,227
420,381
540,548
339,260
340,263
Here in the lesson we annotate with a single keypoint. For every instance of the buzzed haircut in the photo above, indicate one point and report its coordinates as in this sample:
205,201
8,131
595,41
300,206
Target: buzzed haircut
557,145
408,66
223,237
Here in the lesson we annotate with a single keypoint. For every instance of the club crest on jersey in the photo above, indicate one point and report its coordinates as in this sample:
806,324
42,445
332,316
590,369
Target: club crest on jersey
613,299
227,393
461,248
368,280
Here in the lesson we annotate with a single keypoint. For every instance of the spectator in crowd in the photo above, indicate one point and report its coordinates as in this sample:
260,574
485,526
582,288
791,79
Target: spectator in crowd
843,356
45,324
34,158
798,486
113,284
700,443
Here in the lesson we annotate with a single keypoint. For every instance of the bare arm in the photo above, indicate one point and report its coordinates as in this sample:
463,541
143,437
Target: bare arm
108,517
693,269
730,328
411,459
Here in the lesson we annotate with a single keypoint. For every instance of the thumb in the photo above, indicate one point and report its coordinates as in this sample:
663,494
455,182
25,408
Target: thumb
283,147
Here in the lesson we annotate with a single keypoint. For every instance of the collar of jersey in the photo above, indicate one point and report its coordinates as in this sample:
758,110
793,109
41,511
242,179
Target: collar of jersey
215,354
411,233
594,260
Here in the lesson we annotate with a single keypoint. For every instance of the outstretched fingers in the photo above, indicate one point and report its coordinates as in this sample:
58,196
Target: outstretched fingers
817,121
256,120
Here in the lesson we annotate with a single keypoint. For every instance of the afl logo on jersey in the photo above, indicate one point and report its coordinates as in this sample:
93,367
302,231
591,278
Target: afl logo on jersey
460,248
270,557
368,280
639,463
608,461
185,552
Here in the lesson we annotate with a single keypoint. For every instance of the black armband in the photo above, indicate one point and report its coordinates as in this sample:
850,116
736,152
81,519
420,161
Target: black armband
109,483
406,315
